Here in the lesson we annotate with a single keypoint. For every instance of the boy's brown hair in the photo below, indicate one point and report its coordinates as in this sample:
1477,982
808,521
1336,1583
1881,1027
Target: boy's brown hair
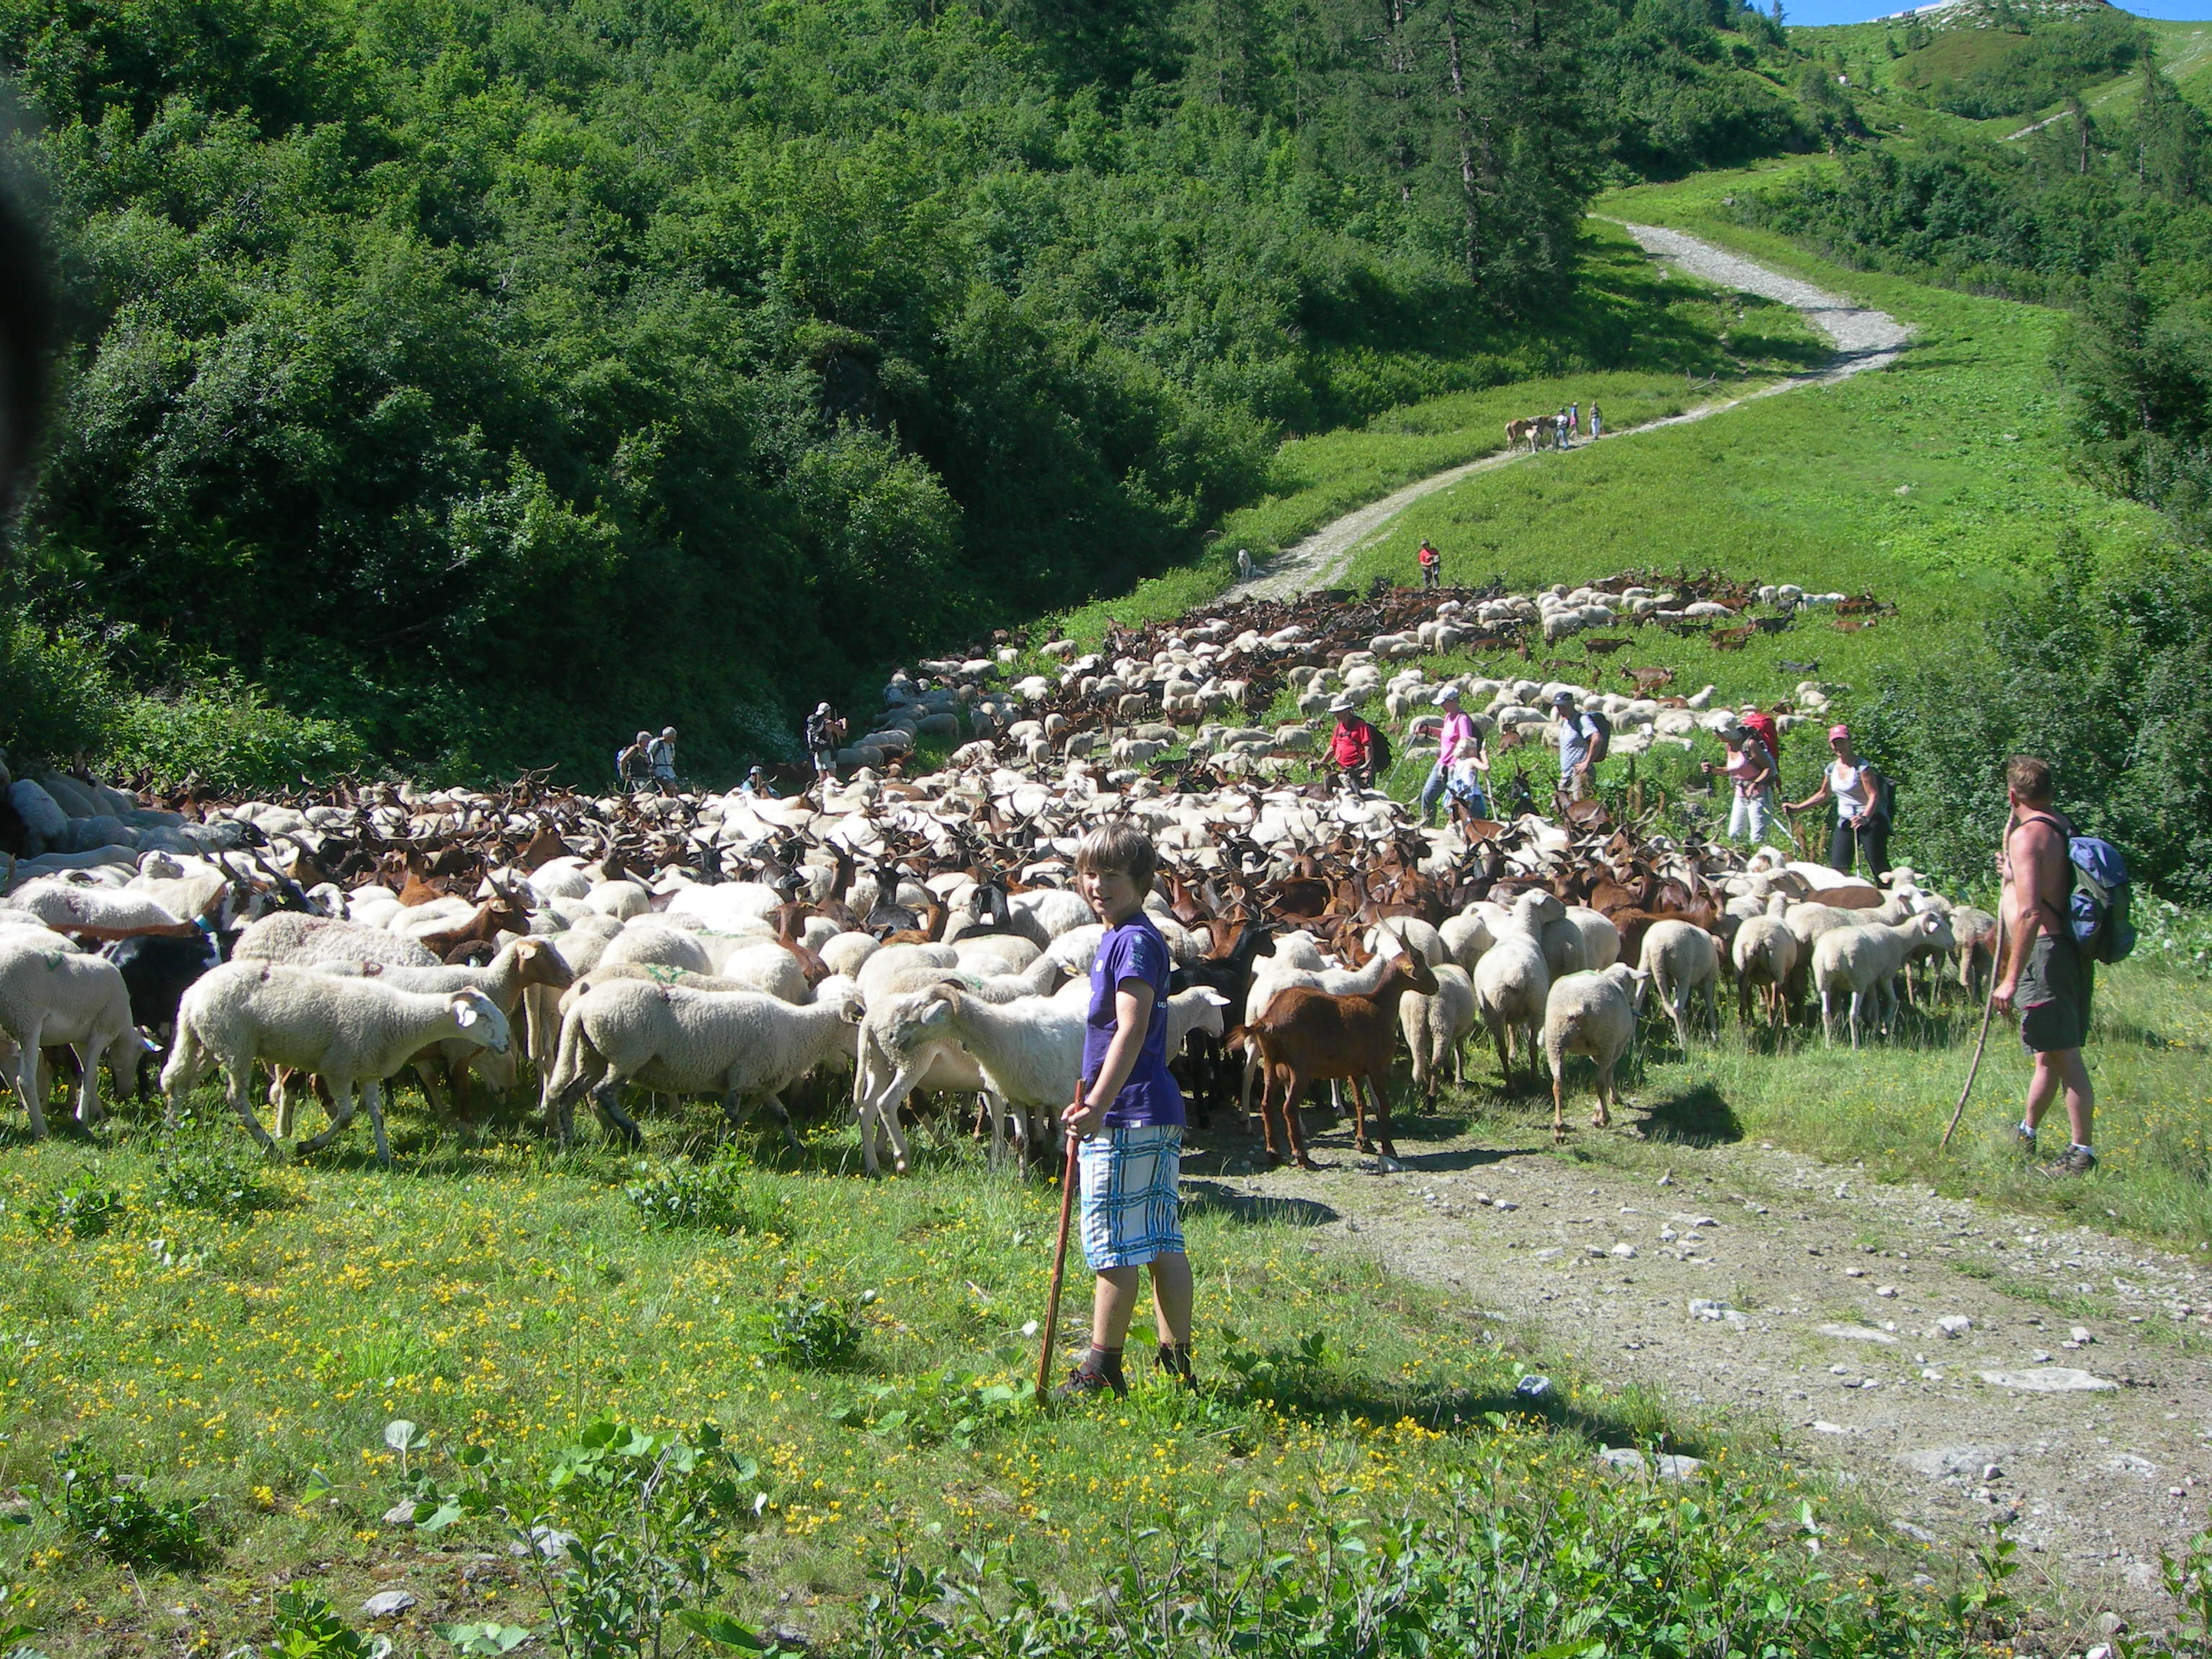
1119,850
2029,778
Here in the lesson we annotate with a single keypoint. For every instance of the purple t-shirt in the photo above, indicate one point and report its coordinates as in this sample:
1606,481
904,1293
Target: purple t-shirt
1134,951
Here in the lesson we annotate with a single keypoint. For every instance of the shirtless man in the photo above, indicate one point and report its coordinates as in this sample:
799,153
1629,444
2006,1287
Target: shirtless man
2046,974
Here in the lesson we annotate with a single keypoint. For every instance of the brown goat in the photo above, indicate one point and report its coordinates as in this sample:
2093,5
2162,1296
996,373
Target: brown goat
1307,1036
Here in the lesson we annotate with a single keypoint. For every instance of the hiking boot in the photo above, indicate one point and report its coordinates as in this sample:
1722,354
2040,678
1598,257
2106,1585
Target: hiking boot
1175,1362
2023,1139
1098,1374
2073,1161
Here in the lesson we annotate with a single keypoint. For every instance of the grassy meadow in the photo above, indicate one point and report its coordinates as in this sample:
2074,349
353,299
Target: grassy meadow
249,1369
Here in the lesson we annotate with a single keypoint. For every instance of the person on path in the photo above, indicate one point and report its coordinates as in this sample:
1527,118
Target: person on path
1458,745
2047,976
633,765
1244,564
1563,423
1129,1117
1574,419
662,753
1432,565
825,731
1750,771
1583,744
1862,829
1597,424
1756,721
1351,745
757,786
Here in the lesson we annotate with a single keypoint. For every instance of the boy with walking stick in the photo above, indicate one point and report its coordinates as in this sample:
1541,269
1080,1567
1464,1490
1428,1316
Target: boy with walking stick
1129,1117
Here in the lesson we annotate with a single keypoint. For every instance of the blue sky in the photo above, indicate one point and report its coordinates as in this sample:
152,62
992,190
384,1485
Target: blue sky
1813,12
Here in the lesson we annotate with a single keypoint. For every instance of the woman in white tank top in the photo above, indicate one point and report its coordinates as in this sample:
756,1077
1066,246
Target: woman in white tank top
1862,828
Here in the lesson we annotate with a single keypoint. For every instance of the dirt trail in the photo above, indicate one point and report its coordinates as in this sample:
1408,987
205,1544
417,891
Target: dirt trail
1863,339
1826,1288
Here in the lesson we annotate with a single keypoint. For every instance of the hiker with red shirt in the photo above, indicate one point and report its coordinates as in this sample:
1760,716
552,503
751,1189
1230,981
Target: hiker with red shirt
1432,572
1351,745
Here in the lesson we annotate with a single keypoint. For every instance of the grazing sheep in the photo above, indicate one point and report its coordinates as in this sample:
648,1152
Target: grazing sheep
1683,960
352,1033
1974,932
1435,1025
1415,934
1765,954
743,1046
520,965
300,940
1465,936
1600,938
656,943
1863,962
54,996
1029,1051
1513,979
1591,1014
846,953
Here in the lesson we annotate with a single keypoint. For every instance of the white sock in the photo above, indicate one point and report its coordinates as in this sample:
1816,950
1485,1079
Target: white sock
2078,1147
2027,1129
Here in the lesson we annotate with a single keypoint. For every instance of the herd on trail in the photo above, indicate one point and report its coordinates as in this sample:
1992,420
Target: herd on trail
921,935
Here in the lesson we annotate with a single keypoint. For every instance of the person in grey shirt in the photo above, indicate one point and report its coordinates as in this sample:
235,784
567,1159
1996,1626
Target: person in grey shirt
1583,739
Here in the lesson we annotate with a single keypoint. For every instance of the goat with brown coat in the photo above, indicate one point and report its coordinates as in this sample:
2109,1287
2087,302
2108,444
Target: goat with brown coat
1307,1035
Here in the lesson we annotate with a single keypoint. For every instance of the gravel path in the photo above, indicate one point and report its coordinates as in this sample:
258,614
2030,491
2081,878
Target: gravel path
1863,339
1800,1302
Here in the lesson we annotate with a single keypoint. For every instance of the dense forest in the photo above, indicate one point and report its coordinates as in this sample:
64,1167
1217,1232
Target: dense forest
458,383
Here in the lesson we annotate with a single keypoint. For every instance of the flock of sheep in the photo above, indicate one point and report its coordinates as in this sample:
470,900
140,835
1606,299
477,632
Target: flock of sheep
918,934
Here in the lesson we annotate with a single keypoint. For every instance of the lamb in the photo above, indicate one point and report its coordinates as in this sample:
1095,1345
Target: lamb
354,1033
1861,962
1591,1014
1765,955
1028,1052
1435,1025
1308,1035
741,1045
1682,960
1512,980
1975,933
54,996
300,940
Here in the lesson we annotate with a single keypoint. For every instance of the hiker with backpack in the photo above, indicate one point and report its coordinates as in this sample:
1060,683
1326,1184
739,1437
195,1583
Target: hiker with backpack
1585,735
1864,802
633,765
1358,751
2065,909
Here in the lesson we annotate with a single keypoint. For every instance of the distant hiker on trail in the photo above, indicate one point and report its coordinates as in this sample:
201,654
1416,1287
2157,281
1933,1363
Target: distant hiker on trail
1862,809
2047,974
1574,420
1562,424
633,765
1755,720
757,786
1243,564
661,753
825,731
1432,565
1584,736
1750,771
1597,424
1460,763
1351,745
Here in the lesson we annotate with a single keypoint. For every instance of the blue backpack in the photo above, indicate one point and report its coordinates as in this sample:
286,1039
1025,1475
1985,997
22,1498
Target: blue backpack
2100,905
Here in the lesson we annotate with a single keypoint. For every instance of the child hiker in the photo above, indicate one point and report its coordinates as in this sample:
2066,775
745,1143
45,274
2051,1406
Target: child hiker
1130,1118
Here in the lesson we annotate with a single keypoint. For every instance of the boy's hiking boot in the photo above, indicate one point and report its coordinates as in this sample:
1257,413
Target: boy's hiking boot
1099,1373
2023,1139
1175,1362
2073,1161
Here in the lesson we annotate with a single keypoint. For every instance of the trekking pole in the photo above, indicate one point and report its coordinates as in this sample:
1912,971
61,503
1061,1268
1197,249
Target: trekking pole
1067,1176
1988,1008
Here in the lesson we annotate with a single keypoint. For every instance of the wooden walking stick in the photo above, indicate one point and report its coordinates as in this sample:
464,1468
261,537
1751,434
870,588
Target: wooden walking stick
1067,1176
1988,1008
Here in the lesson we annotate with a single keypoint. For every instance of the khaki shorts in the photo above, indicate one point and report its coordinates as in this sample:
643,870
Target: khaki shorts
2054,996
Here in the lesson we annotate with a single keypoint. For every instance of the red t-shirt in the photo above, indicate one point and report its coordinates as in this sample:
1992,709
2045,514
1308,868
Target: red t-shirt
1351,743
1428,554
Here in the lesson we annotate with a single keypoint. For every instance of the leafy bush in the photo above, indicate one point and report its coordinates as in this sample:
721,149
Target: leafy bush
212,1174
960,1407
80,1210
113,1514
812,1331
712,1197
309,1627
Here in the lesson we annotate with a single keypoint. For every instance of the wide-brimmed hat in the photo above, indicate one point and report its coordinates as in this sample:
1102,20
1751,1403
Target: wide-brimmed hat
1343,705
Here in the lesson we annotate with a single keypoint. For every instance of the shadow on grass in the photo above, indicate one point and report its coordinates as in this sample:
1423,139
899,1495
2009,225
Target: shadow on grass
1254,1209
1326,1395
1698,1115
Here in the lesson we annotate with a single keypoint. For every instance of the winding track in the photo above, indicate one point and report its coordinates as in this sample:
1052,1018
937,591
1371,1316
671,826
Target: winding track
1863,339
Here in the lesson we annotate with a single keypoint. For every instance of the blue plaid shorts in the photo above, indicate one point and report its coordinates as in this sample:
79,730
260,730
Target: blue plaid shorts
1132,1213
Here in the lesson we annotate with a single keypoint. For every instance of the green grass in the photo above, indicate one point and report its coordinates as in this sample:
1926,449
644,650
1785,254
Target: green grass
507,1298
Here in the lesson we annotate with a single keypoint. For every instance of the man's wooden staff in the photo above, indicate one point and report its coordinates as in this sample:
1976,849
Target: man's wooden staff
1988,1008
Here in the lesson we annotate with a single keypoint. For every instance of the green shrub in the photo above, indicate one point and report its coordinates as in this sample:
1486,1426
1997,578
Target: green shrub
811,1332
80,1210
113,1513
214,1176
704,1197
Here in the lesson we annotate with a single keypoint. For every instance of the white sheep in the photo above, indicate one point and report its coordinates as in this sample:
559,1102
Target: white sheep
1465,936
1591,1014
1600,938
1512,979
1436,1027
54,996
299,940
1765,954
1683,961
742,1046
653,943
352,1033
1863,962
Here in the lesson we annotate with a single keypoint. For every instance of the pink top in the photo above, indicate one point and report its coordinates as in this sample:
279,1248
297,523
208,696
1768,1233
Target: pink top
1459,729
